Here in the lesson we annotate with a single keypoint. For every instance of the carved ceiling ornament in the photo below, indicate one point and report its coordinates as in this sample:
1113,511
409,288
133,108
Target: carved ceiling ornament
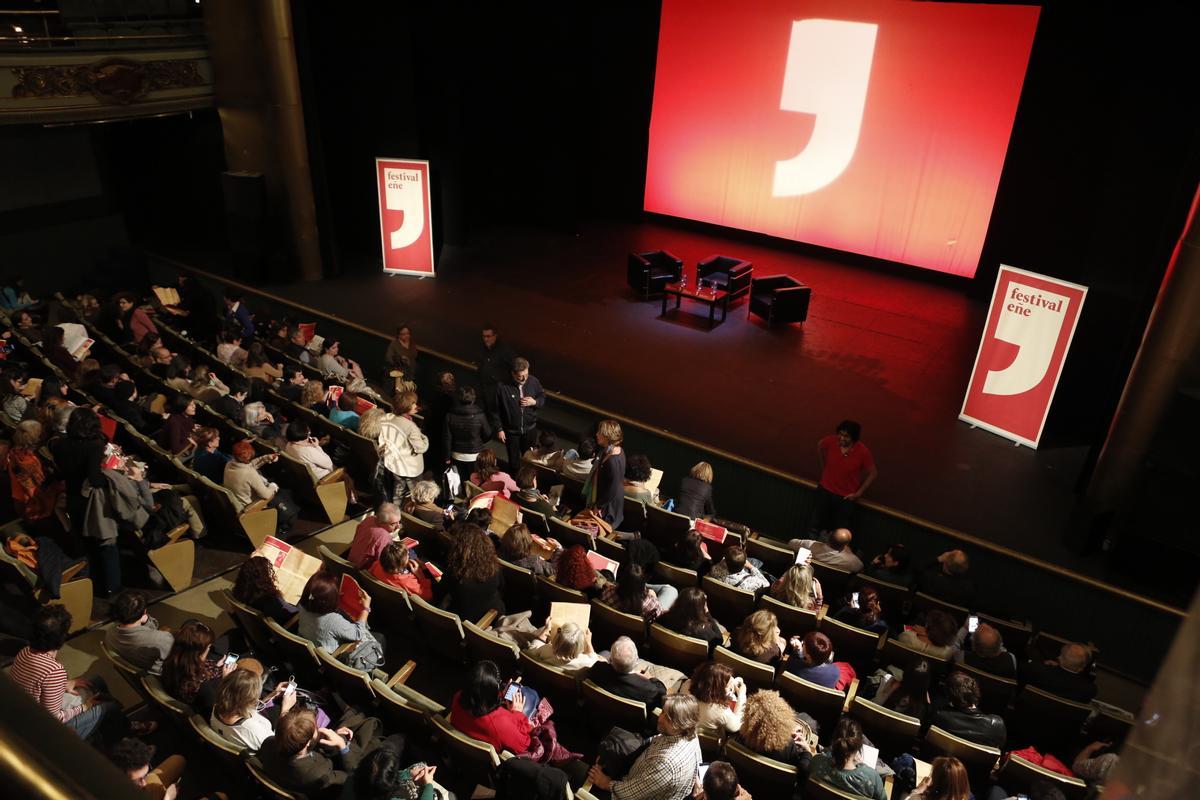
114,81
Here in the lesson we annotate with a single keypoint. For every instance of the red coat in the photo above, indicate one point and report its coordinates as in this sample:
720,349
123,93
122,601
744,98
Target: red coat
503,729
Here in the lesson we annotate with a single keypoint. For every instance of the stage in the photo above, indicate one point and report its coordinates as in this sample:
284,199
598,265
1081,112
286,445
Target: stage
891,349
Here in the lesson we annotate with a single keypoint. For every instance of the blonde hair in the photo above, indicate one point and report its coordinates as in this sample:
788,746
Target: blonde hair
568,641
27,434
238,694
796,587
702,472
610,429
370,424
755,635
313,393
767,722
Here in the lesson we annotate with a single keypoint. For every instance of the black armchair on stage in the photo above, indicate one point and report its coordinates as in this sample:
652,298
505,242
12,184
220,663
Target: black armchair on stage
779,298
650,272
730,274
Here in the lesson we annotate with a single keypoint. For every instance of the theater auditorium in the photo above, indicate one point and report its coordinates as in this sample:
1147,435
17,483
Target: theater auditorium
643,400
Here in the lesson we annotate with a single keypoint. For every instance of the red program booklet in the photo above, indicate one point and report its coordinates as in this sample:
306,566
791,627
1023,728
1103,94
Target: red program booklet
710,530
350,599
433,570
307,330
409,543
600,563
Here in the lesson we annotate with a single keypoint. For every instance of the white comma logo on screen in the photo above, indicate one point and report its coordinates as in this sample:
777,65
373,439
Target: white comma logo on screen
404,192
828,69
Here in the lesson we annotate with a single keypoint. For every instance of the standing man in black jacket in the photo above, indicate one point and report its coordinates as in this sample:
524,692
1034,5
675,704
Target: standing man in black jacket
495,363
518,400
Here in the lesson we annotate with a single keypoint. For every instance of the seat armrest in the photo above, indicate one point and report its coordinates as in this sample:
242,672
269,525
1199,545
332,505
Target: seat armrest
346,648
739,269
402,674
487,619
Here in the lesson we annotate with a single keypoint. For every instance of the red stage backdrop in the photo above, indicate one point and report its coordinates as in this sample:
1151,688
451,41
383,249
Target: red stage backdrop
1029,328
404,215
872,127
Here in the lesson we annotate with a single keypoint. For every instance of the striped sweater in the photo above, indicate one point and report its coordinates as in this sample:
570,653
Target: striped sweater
45,680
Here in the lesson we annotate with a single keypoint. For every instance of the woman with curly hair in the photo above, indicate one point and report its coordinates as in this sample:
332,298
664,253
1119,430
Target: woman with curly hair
769,728
312,397
473,583
190,672
798,587
758,638
722,698
257,588
576,572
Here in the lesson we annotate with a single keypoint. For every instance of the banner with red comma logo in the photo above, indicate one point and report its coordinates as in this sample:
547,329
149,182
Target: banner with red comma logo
1025,341
404,216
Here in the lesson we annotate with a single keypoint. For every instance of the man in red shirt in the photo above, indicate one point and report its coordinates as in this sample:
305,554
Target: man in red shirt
847,469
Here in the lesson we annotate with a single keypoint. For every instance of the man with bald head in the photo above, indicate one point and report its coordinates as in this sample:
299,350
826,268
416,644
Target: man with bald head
987,653
1066,677
946,579
835,552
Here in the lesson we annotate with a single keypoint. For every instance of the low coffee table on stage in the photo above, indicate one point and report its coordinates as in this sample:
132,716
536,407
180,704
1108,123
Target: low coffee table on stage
710,297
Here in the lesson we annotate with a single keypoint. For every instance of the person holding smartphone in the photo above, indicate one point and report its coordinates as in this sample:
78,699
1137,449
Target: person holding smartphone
483,712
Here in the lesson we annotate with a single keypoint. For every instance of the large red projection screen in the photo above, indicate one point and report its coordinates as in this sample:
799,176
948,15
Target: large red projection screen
872,127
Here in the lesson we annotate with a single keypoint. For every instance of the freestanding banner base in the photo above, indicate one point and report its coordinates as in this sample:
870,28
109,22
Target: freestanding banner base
405,229
1029,328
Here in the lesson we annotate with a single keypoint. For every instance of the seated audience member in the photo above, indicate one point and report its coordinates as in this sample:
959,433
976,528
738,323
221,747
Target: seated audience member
24,322
547,453
178,374
812,660
758,638
105,382
517,547
1067,677
465,432
56,354
380,777
237,315
297,348
842,767
176,433
256,587
695,493
314,398
666,769
15,404
247,484
332,363
133,757
575,572
235,714
473,583
82,704
208,460
569,648
328,627
136,637
769,728
205,386
581,467
799,587
343,413
232,404
396,567
480,711
422,504
124,403
735,570
315,761
489,477
721,783
632,595
306,448
691,617
620,675
722,698
947,580
133,319
909,695
987,653
14,297
191,672
529,497
835,553
161,360
229,349
1093,765
947,780
865,613
936,638
963,717
260,366
374,533
292,385
637,472
689,553
278,338
34,496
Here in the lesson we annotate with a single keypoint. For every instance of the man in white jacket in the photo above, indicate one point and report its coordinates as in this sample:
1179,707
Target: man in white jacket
401,446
